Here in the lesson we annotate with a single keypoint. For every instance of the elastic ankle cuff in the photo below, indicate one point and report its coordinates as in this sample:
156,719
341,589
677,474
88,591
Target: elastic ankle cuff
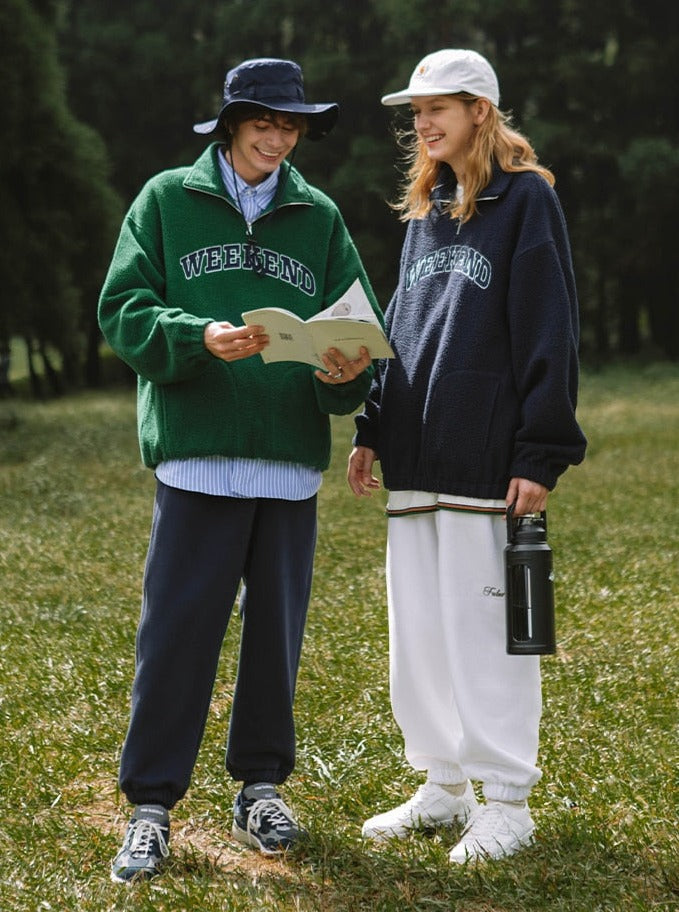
496,791
446,775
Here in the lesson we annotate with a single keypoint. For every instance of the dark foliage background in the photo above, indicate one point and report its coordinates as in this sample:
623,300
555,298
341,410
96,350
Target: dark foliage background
99,96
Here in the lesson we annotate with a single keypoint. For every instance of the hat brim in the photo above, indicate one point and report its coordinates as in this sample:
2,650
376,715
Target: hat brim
321,117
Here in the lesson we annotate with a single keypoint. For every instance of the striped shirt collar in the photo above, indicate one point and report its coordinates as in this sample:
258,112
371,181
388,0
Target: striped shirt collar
254,200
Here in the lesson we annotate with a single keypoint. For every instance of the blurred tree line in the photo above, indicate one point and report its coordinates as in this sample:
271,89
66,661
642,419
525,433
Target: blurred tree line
99,96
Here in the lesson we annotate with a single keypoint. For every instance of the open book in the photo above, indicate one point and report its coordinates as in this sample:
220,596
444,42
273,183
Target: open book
346,325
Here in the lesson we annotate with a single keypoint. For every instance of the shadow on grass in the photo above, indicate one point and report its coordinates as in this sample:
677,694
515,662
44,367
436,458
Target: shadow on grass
575,866
574,869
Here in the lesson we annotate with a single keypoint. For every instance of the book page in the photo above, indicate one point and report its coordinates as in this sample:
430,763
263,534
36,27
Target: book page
348,335
289,336
347,325
353,304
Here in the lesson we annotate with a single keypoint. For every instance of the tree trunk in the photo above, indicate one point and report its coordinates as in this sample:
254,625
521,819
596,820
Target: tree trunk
36,382
92,358
51,373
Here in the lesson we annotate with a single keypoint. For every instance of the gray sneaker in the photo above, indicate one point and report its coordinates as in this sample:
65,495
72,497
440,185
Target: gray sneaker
145,846
263,820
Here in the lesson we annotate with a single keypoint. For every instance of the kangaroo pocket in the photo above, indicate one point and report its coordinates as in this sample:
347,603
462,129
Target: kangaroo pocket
466,435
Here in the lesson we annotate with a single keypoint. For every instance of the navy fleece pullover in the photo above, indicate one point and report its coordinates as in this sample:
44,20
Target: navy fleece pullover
484,323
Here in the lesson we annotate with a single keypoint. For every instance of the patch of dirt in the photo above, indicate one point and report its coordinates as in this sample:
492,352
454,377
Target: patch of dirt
205,837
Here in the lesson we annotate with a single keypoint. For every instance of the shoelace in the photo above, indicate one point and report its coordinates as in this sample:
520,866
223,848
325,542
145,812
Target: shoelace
274,810
422,796
487,823
142,835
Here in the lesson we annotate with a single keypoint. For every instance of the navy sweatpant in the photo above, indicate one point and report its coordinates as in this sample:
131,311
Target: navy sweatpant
201,547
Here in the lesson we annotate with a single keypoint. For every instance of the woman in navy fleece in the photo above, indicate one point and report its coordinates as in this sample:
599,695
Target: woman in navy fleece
476,412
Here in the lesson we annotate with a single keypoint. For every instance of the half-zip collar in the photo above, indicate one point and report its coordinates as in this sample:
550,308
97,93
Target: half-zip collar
443,193
444,190
205,177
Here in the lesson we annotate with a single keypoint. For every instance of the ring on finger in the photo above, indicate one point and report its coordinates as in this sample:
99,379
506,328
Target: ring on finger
338,375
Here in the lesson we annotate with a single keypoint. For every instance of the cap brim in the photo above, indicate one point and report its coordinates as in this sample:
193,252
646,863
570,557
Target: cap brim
321,117
406,95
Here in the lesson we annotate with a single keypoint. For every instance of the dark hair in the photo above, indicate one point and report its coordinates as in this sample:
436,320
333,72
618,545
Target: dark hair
238,114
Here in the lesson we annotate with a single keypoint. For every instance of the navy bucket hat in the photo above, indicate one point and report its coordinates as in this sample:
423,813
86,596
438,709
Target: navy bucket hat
276,85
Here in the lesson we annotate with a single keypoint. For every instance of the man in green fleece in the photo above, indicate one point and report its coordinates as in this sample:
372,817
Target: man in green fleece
238,446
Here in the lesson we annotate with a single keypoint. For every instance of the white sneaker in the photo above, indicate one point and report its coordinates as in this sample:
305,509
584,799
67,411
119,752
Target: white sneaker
431,805
495,830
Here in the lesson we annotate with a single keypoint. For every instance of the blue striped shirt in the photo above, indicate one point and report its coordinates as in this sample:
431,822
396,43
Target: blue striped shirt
253,200
235,477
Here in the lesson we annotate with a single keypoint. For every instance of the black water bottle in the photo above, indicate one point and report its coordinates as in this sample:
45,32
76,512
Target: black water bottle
529,586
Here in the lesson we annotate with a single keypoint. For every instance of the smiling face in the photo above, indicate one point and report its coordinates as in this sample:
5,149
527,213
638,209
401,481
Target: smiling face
445,125
259,144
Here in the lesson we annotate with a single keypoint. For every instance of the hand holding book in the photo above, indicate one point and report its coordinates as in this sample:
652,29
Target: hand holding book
347,325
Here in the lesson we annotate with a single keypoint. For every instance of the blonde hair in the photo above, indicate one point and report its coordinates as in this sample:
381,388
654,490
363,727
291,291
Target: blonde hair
494,140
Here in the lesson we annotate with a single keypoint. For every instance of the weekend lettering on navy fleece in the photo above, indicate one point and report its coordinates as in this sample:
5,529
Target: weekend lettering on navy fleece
454,258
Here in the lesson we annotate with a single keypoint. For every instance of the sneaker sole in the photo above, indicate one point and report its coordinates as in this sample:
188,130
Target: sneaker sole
248,839
518,844
141,874
385,833
382,834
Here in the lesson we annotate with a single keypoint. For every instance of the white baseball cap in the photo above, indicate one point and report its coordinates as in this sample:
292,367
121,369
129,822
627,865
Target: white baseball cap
448,72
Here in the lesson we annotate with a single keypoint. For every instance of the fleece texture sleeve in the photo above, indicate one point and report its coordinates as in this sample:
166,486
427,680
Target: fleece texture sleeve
542,314
161,343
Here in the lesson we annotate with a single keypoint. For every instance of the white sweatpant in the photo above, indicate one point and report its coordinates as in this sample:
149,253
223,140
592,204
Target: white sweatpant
466,708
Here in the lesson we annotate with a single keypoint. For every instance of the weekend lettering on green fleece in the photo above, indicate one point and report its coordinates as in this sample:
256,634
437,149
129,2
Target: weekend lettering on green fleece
242,256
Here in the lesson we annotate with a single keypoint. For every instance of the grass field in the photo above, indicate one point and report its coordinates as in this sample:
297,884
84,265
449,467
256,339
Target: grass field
75,508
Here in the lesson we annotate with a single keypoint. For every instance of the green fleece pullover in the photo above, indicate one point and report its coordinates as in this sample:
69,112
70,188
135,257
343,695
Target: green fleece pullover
181,262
